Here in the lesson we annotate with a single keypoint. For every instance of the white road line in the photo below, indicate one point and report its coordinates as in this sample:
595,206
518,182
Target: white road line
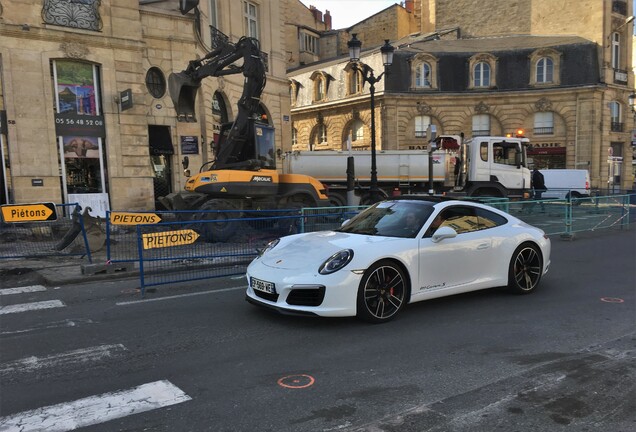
55,324
20,290
95,409
69,358
180,296
25,307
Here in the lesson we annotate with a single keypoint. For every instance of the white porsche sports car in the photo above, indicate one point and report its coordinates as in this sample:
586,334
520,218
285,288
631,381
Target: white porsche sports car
397,252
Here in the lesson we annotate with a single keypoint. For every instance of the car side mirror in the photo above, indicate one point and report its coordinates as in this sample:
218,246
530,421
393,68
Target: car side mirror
443,233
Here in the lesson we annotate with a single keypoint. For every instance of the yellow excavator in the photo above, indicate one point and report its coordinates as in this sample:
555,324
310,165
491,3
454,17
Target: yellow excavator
243,176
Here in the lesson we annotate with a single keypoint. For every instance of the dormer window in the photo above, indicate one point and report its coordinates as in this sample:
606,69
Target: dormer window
545,65
545,70
423,72
321,85
482,67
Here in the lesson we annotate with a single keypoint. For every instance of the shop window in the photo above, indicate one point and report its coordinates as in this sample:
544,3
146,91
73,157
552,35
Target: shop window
80,129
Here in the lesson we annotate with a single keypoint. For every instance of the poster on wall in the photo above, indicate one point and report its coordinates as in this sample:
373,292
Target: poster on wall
81,147
189,145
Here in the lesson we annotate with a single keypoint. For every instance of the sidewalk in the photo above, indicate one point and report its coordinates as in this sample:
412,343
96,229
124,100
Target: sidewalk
61,270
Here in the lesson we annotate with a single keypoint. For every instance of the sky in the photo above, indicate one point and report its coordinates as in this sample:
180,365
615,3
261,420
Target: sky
345,13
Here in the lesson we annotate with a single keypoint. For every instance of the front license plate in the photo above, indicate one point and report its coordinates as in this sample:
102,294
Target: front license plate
263,286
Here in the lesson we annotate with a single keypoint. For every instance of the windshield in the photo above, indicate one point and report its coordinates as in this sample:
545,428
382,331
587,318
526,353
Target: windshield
391,219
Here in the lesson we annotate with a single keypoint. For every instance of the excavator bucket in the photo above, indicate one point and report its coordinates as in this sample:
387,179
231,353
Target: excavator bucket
183,92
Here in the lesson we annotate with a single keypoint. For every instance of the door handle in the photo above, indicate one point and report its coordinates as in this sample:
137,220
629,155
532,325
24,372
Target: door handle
483,246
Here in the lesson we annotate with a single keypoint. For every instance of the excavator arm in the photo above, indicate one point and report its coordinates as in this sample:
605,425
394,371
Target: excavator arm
183,86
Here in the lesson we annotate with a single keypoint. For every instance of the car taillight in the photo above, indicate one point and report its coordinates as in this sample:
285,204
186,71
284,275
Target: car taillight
587,185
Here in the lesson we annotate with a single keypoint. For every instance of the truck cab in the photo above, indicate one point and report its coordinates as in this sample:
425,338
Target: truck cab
497,166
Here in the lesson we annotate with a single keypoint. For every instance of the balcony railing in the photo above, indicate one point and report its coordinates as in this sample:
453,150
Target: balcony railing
76,14
617,127
544,130
218,39
620,76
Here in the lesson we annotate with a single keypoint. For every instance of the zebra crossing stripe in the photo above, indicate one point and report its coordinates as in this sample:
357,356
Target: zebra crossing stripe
21,290
95,409
79,356
25,307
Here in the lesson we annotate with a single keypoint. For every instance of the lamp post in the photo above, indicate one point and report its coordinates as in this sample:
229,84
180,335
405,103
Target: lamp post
368,76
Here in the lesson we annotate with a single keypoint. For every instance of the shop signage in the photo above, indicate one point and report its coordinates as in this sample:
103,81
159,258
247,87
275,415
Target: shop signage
29,212
189,145
124,218
126,100
68,124
169,238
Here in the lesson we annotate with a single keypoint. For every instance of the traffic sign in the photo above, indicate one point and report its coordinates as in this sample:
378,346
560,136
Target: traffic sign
169,238
125,218
29,212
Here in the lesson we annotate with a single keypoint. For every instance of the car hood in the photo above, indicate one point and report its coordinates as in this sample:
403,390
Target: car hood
314,248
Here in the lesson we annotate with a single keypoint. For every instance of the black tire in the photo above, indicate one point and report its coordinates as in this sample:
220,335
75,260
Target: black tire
220,230
525,269
383,292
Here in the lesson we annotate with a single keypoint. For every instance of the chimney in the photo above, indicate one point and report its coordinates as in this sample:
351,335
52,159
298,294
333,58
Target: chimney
408,5
316,13
327,20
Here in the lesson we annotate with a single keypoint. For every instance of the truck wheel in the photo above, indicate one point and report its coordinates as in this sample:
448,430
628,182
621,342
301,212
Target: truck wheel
216,226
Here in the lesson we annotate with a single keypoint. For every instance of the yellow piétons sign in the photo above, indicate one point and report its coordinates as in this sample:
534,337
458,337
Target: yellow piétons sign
169,238
124,218
29,212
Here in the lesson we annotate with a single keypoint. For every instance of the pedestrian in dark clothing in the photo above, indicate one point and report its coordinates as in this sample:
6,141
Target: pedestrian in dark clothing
538,187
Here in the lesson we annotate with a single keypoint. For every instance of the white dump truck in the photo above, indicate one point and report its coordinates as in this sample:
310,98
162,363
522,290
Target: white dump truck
482,166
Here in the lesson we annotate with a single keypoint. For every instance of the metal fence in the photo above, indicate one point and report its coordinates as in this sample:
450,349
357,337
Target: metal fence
566,217
65,236
182,251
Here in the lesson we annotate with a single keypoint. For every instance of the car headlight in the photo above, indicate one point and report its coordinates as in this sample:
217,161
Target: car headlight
269,246
336,261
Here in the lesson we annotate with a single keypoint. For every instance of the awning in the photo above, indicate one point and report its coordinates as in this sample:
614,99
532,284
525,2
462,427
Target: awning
160,140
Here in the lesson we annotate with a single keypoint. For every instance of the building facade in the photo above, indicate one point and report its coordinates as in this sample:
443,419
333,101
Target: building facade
85,111
491,71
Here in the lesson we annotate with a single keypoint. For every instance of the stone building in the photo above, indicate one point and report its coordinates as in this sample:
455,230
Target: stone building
85,112
561,72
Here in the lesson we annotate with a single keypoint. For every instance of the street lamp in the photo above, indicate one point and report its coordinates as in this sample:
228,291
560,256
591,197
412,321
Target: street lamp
367,75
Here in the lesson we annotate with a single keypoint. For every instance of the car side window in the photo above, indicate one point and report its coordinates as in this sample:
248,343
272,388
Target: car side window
488,219
462,219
